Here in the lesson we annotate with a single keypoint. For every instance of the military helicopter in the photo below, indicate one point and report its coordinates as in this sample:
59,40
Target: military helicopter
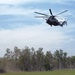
53,19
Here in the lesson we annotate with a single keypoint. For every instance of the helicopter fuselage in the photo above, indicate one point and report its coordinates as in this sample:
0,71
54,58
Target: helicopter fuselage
52,21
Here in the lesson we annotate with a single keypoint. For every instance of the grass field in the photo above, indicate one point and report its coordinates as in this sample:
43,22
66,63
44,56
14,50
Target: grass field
60,72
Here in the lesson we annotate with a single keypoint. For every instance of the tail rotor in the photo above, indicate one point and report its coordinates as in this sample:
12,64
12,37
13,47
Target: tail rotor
66,21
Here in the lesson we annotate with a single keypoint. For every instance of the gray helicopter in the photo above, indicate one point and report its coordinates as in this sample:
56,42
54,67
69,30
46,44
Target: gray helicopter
53,19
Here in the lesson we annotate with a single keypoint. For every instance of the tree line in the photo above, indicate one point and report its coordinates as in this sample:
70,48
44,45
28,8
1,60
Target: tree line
29,59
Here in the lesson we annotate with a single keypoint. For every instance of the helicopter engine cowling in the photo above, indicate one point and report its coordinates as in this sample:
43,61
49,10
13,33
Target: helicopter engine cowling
52,21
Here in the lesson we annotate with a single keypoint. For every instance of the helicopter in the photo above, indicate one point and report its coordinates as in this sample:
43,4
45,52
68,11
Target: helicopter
53,20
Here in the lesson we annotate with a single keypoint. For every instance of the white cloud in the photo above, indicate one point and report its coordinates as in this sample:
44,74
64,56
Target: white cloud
14,10
17,1
10,7
32,36
7,9
29,1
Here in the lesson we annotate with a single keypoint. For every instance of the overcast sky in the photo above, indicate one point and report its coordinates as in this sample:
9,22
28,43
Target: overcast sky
18,27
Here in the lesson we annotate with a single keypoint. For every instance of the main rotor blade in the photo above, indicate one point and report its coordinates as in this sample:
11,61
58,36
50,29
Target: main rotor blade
41,13
62,12
39,16
50,12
